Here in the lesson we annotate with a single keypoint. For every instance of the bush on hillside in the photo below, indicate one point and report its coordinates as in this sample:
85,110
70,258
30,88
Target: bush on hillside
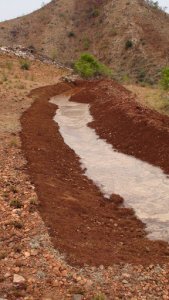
165,78
25,65
71,34
155,4
88,66
129,44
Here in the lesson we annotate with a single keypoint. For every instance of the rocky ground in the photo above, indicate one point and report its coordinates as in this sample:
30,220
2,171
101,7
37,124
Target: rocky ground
30,267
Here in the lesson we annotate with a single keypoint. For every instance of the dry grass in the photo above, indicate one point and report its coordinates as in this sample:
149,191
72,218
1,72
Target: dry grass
15,85
154,98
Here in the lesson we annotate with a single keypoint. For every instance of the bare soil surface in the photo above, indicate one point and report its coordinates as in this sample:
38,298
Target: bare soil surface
85,226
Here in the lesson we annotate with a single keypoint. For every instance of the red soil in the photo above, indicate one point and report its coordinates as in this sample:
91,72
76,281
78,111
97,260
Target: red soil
82,224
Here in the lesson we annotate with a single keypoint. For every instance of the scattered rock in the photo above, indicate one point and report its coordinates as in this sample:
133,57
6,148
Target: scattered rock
27,254
116,199
18,279
56,283
34,252
41,275
7,275
16,269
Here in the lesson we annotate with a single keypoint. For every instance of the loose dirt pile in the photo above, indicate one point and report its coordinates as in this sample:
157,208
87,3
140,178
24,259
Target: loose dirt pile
126,124
84,225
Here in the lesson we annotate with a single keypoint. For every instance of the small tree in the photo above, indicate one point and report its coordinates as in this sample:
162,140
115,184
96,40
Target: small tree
165,78
88,66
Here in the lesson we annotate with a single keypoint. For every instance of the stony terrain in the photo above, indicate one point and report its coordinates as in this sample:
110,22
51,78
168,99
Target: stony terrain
130,36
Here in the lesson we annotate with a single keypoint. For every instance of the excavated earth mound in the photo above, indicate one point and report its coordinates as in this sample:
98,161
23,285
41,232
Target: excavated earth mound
82,224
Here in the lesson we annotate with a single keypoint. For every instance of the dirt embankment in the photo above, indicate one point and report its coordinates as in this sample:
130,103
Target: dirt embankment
126,124
82,224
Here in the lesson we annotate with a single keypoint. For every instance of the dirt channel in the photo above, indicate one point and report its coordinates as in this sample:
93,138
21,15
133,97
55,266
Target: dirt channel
82,224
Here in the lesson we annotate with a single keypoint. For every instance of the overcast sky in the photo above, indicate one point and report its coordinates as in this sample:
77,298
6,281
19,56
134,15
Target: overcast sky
13,8
164,3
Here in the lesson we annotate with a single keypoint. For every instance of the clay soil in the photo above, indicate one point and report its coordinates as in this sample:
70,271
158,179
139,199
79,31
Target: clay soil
83,225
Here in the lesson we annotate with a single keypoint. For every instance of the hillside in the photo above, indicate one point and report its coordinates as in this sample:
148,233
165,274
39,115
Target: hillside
63,29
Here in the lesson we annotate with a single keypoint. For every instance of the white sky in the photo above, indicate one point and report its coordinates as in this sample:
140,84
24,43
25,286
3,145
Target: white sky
13,8
10,9
164,3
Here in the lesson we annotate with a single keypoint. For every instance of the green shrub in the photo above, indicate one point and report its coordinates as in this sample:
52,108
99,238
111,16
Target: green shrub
88,66
129,44
53,55
71,34
165,78
25,65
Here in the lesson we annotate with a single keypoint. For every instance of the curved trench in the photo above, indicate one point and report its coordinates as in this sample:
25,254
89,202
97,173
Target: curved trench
145,188
83,224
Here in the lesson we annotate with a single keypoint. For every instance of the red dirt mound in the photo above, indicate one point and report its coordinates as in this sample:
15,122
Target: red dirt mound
83,225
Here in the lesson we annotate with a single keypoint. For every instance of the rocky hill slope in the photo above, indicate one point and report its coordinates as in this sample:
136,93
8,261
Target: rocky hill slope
128,35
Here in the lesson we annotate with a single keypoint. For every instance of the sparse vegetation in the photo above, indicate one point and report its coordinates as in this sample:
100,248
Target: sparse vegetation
155,4
13,189
152,3
9,65
129,44
126,79
13,143
71,34
94,13
165,78
152,97
113,32
141,75
86,43
4,77
53,55
17,224
25,64
88,66
34,201
99,297
16,203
